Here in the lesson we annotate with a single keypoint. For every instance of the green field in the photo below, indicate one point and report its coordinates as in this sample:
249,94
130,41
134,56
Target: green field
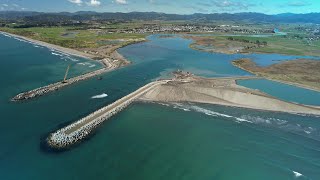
289,44
81,39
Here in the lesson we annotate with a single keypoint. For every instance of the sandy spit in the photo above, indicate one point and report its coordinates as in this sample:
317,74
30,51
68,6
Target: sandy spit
223,92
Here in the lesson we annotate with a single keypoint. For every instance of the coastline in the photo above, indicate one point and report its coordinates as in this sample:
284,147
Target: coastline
223,91
69,51
251,51
110,62
279,81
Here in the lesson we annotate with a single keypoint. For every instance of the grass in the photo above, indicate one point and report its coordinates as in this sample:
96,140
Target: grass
304,72
284,45
83,38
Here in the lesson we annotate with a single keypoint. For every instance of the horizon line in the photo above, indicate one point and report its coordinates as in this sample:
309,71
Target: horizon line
100,12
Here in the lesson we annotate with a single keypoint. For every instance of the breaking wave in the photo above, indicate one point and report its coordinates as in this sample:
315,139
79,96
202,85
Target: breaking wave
56,54
208,112
252,119
100,96
297,174
6,35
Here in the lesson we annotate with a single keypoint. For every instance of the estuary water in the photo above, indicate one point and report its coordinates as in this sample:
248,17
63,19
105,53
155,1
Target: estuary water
146,140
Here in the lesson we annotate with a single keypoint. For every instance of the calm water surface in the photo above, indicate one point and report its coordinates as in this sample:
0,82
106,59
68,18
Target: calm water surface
283,91
145,141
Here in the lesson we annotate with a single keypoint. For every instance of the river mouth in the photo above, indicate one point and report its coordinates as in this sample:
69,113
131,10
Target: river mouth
146,137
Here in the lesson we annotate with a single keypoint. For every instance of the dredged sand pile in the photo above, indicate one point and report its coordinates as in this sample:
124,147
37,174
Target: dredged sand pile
223,91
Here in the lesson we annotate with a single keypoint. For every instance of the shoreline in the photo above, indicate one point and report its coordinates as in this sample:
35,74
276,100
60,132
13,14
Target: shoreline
106,61
226,92
279,81
235,106
69,51
194,43
109,63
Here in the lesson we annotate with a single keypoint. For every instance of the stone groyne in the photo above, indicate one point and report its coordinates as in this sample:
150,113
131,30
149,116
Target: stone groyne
56,86
75,132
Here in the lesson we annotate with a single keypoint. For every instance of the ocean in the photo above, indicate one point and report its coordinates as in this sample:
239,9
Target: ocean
148,140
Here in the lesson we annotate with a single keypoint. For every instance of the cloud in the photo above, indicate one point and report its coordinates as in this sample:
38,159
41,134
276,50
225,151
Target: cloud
163,3
12,7
232,4
78,2
225,5
121,2
94,3
298,3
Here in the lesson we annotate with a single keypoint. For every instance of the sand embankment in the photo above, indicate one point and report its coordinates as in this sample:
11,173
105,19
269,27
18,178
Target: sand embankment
222,91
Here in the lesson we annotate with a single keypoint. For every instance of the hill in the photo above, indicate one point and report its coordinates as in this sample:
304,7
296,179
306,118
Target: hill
89,15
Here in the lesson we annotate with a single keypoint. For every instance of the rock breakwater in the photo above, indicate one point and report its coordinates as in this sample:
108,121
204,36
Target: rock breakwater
75,132
56,86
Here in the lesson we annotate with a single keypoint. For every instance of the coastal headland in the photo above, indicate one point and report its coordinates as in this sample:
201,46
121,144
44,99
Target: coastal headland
184,87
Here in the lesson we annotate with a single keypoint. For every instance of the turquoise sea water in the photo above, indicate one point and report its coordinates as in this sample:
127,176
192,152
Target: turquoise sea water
145,141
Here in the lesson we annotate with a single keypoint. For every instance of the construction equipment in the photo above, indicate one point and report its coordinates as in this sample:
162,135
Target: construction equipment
65,76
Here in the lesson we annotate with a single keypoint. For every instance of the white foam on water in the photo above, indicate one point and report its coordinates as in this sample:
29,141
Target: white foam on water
307,132
180,106
297,174
92,65
186,107
83,64
99,96
6,35
20,40
243,120
209,112
74,60
163,104
56,54
285,125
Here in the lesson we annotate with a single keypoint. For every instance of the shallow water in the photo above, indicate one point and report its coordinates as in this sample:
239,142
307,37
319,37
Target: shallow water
284,91
145,141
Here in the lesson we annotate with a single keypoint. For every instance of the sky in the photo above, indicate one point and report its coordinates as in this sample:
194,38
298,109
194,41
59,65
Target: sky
166,6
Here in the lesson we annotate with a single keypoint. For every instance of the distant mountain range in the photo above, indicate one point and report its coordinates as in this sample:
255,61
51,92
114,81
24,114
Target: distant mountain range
88,15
